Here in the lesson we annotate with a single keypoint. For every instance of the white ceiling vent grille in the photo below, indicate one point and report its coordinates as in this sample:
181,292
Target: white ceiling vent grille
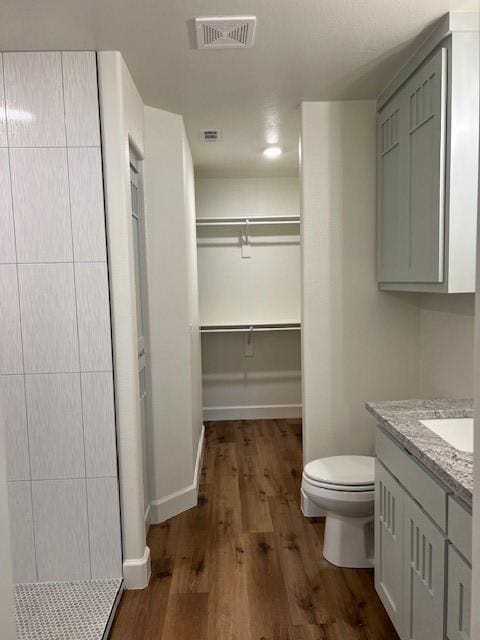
210,135
225,32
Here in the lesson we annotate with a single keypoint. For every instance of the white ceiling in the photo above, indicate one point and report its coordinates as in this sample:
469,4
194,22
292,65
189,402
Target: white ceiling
304,50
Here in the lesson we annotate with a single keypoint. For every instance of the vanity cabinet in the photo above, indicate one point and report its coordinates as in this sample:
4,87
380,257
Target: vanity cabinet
458,596
422,548
389,544
427,166
424,574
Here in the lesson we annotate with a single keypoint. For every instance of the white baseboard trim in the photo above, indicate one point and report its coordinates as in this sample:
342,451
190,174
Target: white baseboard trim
136,572
183,499
252,412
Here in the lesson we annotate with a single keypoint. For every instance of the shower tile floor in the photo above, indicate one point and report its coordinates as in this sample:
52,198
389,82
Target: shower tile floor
80,610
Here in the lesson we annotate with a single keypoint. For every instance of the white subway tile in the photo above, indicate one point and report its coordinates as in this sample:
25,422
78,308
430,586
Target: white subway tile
104,524
10,333
34,99
93,316
3,119
21,531
41,205
86,197
99,424
81,98
13,413
47,301
61,530
55,431
7,235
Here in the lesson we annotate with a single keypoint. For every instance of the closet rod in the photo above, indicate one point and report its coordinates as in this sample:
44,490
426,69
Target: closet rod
235,222
249,329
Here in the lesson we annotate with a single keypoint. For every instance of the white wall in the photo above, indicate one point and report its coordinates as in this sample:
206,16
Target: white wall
193,299
359,343
175,360
446,345
122,125
263,288
237,197
267,385
266,286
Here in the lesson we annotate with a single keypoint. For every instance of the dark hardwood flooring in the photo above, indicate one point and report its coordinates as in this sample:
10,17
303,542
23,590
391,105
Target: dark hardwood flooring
245,564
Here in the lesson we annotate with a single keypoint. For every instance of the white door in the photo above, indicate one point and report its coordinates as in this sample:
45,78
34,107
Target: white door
138,228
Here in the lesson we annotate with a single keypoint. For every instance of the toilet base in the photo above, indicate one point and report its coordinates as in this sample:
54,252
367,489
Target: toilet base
309,508
349,541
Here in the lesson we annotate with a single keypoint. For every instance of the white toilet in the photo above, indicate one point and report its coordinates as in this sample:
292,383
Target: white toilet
342,488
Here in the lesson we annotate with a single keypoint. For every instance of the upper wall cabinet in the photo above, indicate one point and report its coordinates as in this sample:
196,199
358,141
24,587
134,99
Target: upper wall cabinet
427,165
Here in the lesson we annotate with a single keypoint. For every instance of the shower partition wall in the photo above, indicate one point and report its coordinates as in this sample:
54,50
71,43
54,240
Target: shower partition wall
56,380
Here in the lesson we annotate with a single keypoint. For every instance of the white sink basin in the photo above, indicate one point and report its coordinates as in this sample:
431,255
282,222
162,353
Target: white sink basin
458,432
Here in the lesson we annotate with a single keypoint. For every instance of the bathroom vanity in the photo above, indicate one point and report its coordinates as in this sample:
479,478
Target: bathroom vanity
423,522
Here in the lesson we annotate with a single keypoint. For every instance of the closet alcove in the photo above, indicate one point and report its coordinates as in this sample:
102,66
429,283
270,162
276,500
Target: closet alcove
248,242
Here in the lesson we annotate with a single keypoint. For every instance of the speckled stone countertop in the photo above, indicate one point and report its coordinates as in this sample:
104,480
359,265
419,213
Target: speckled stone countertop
401,420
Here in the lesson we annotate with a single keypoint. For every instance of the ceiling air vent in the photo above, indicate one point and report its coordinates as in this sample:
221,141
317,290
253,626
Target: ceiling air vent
210,135
225,32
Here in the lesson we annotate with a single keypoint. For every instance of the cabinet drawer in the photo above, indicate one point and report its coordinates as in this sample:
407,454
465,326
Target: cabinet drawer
413,477
460,527
458,597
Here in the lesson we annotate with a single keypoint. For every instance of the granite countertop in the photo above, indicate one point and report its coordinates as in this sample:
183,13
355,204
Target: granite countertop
400,418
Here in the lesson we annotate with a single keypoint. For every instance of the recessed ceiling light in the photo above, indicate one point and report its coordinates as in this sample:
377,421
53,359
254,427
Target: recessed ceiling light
272,152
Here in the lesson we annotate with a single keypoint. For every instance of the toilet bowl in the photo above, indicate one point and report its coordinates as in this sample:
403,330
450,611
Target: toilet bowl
342,488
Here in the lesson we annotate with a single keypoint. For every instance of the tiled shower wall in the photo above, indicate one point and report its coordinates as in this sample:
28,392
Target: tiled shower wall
56,386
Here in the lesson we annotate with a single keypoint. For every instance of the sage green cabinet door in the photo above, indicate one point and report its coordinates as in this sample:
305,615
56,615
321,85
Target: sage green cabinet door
393,231
389,544
426,93
459,596
411,151
424,575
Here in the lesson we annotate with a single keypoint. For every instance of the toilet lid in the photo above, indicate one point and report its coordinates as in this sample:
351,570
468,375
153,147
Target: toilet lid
342,470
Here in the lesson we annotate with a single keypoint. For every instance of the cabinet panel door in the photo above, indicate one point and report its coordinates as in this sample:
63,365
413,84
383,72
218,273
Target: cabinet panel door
389,544
393,226
424,575
426,93
459,596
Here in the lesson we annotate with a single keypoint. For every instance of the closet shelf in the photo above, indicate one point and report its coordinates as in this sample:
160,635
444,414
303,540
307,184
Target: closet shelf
250,327
247,220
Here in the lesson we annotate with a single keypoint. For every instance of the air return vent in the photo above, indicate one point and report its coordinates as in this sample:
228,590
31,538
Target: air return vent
225,32
210,135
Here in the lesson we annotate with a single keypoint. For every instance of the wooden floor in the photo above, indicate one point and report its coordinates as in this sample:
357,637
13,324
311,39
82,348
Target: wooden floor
245,564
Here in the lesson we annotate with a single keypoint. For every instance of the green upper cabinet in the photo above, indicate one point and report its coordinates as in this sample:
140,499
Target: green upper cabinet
393,221
425,188
427,166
